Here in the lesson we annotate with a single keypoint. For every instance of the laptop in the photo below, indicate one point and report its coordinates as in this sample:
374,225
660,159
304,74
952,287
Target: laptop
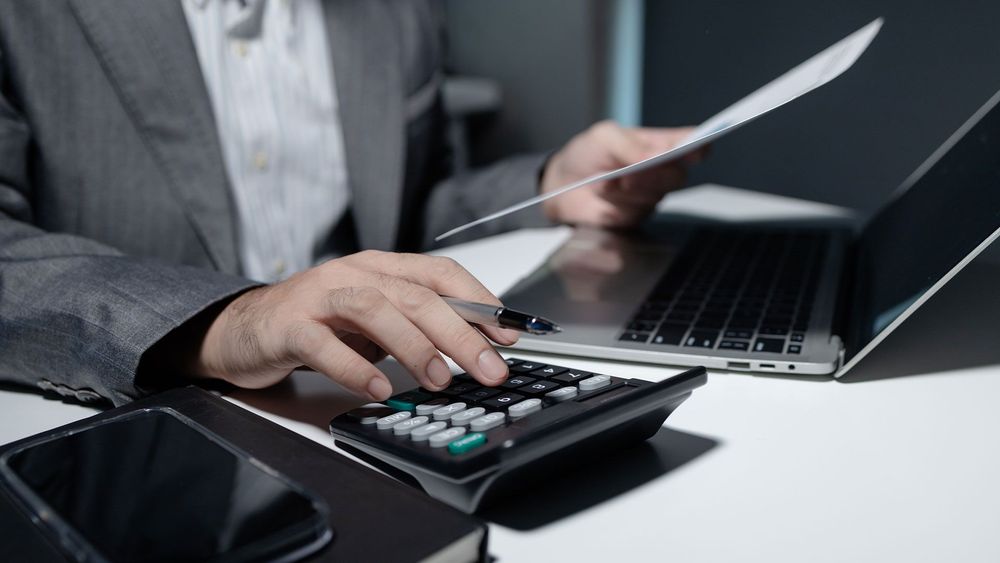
795,297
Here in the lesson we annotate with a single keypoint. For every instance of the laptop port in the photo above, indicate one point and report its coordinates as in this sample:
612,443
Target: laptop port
738,365
766,366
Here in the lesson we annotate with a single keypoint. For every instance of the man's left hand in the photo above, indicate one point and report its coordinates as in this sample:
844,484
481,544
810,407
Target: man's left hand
617,203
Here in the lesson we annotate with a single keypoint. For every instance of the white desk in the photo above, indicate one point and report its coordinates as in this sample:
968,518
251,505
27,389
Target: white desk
901,464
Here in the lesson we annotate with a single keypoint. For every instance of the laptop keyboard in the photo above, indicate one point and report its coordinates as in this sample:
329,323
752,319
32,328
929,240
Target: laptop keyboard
735,291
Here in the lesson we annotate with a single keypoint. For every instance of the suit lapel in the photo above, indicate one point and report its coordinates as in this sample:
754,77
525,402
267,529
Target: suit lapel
369,88
147,51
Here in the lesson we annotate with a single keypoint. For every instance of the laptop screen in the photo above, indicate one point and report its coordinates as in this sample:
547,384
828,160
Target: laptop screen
939,216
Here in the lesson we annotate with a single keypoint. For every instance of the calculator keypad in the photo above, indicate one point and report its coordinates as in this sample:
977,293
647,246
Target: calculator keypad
463,416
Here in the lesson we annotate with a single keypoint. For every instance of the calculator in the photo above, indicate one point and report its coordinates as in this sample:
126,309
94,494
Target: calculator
468,444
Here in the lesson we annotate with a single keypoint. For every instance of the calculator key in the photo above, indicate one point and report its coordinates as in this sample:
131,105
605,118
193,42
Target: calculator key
571,376
503,401
538,387
487,421
408,401
408,425
387,422
458,388
480,394
432,405
448,411
517,381
370,413
525,367
511,361
524,408
595,382
562,394
548,371
442,438
465,417
467,443
422,433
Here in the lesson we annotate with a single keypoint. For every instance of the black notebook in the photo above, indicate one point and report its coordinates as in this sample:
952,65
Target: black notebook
373,517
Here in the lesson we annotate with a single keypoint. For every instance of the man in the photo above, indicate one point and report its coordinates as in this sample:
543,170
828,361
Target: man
156,156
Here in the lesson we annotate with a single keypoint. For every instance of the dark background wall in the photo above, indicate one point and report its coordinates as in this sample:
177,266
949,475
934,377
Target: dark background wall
549,59
852,141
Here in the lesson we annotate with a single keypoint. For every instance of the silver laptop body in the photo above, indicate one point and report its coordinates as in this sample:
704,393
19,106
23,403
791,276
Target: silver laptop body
824,293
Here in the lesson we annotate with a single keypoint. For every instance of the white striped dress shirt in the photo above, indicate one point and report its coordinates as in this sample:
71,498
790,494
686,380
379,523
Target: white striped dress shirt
270,79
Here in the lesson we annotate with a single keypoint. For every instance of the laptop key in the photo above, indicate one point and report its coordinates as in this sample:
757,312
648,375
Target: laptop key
743,334
794,349
798,337
670,334
634,337
775,345
702,338
733,345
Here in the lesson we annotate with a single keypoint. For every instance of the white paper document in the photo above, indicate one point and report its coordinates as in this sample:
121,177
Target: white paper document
802,79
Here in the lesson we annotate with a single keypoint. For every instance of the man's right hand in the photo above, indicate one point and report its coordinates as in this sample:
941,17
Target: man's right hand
341,317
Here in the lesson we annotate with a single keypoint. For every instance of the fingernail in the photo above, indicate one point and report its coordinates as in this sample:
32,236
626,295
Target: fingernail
438,372
379,389
492,365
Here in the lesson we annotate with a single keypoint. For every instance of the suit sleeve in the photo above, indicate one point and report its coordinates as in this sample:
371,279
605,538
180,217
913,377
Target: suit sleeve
76,316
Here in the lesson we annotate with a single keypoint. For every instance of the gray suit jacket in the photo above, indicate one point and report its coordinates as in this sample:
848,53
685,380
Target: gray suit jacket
116,224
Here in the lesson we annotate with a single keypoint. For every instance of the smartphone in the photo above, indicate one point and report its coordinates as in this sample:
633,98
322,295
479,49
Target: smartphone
153,485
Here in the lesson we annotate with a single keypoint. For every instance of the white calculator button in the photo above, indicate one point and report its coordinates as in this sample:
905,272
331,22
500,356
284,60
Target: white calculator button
431,406
407,426
448,411
524,408
420,434
465,417
595,382
562,394
485,422
443,438
387,422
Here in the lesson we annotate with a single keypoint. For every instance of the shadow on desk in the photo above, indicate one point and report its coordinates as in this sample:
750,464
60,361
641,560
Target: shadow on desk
956,329
598,480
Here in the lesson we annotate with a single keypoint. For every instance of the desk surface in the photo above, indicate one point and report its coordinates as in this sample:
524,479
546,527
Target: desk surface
899,463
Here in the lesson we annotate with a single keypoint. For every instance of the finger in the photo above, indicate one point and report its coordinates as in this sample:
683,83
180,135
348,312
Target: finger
651,185
363,346
446,277
623,145
369,312
316,346
449,332
660,139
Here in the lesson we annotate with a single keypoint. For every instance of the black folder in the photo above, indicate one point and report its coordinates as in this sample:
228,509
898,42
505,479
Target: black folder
374,517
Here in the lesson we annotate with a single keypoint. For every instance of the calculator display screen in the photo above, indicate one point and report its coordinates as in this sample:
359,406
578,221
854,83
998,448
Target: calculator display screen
152,487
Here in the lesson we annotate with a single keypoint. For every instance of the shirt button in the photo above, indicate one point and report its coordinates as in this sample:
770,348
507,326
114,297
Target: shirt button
279,267
240,48
260,160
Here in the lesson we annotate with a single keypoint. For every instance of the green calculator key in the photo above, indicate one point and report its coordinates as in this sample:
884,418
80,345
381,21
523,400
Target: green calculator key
407,401
466,443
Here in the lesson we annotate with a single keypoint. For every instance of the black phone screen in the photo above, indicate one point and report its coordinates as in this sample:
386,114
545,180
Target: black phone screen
154,486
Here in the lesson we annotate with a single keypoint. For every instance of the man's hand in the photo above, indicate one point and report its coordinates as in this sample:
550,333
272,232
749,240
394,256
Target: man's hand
342,316
619,203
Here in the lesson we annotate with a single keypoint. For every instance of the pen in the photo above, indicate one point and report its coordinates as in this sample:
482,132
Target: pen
500,316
